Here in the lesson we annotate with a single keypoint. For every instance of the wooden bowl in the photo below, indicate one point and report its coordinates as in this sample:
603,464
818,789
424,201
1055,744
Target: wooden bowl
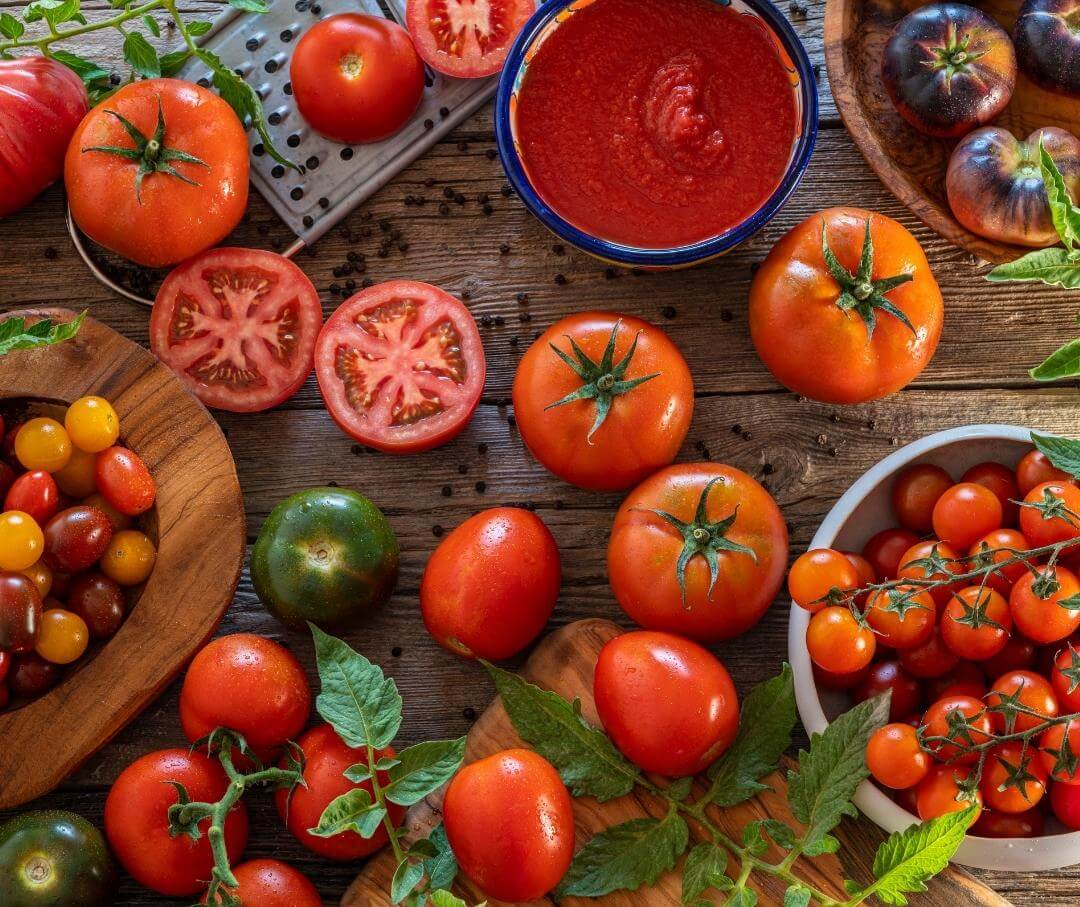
201,543
912,165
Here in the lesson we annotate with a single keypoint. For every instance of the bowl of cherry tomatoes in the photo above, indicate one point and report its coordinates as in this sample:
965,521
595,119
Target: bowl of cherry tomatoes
946,575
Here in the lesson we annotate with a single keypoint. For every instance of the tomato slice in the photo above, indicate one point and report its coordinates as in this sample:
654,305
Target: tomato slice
468,39
401,366
238,326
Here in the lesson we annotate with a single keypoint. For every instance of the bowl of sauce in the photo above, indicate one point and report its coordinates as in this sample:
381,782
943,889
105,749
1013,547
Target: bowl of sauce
656,133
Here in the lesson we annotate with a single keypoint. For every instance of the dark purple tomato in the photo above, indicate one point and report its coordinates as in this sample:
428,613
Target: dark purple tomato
76,538
995,185
99,601
20,612
34,493
31,675
1047,36
948,68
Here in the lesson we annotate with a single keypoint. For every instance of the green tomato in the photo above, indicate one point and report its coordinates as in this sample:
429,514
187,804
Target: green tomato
53,858
324,555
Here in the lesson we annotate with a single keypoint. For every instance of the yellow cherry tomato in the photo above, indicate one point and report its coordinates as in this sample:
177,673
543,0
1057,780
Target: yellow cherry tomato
41,576
92,424
21,540
63,636
76,479
129,558
43,443
120,521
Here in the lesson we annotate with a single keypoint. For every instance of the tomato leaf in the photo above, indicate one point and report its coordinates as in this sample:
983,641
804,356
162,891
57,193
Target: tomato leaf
87,71
821,787
442,868
250,6
586,759
442,898
424,768
742,897
406,877
151,25
797,896
361,702
16,335
1051,266
140,56
174,61
196,29
1064,362
10,27
352,811
704,869
1064,453
1065,214
626,856
55,12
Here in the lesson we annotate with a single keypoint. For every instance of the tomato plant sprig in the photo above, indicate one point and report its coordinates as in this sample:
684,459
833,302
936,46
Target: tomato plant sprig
15,334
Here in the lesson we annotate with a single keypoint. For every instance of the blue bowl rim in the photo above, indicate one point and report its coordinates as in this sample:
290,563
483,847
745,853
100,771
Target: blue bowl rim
631,255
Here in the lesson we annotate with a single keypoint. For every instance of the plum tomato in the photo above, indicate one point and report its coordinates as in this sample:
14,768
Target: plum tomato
124,480
129,557
491,585
1020,688
249,684
1047,38
326,757
41,576
356,78
603,400
21,540
961,719
820,576
886,549
1002,481
272,883
667,703
932,659
401,366
31,675
78,479
99,601
464,39
119,521
939,793
976,623
697,549
932,560
42,443
1035,468
837,642
991,824
948,68
63,637
1065,678
92,424
510,822
895,757
914,494
995,548
1018,654
1065,802
965,513
1014,778
76,538
889,676
20,612
34,493
902,617
1051,513
137,823
1045,605
238,326
1059,751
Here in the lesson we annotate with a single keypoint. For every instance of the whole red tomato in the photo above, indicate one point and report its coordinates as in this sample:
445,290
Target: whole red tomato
666,702
124,480
271,883
491,585
1052,513
855,327
34,493
510,823
608,412
326,758
186,190
249,684
137,823
41,103
697,549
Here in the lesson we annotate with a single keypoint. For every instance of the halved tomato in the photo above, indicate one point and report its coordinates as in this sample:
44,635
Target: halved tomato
401,366
467,39
238,326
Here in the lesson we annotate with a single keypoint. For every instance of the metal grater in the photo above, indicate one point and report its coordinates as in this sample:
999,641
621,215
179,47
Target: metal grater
335,178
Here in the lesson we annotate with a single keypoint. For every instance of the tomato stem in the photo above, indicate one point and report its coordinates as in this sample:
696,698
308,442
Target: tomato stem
62,35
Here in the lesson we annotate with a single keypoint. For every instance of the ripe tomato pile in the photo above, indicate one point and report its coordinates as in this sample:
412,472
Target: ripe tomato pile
69,547
969,613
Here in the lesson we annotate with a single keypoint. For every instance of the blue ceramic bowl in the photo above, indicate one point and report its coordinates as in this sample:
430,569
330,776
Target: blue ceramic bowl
543,22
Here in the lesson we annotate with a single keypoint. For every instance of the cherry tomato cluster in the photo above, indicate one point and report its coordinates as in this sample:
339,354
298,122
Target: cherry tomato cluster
68,544
969,613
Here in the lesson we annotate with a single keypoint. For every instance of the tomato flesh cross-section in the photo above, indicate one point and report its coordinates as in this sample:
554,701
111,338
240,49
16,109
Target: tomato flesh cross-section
466,38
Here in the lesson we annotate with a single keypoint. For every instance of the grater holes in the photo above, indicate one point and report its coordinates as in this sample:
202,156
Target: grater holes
296,193
258,150
277,172
263,91
293,141
309,221
312,163
287,88
346,154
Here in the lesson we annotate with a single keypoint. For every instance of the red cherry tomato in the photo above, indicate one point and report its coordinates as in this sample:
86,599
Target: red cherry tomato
991,824
965,513
885,550
1037,608
907,693
1014,780
998,547
1059,751
124,480
939,792
966,679
819,576
1065,801
5,664
1035,468
1018,654
832,681
31,675
895,757
76,538
99,601
20,612
271,883
1026,689
1056,518
1065,678
837,643
976,623
464,39
34,493
932,659
7,478
914,494
903,617
1001,480
932,560
863,567
942,719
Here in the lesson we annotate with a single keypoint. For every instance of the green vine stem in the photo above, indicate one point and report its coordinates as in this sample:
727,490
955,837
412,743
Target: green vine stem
43,42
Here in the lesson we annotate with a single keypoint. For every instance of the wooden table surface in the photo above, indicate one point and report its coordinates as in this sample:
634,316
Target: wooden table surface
507,268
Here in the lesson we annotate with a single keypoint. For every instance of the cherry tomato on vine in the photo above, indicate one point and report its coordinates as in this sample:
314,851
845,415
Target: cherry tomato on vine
63,636
129,558
1001,480
976,623
1036,468
965,513
932,560
76,538
939,793
1052,513
1037,602
820,575
1059,751
895,757
885,550
1022,688
34,493
1065,802
272,883
21,540
42,443
932,659
914,494
92,424
863,567
837,643
995,548
1065,678
124,480
903,617
962,719
78,479
1013,780
906,691
991,824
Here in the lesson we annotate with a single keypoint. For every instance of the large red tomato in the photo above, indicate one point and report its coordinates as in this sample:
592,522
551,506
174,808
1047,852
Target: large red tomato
491,585
853,327
401,366
238,326
464,38
173,191
41,103
137,822
271,883
698,549
603,400
510,823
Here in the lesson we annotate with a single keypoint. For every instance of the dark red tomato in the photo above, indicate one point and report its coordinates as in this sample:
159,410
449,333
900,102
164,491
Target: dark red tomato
885,676
20,612
465,39
99,601
5,696
966,679
939,720
932,659
249,684
932,560
1040,614
1048,44
1018,654
491,585
1065,801
1055,516
998,547
915,492
1065,678
976,623
5,664
510,823
124,480
1002,481
271,883
238,326
76,538
137,824
41,103
831,681
7,477
31,675
666,702
1003,763
885,550
401,366
356,78
1035,468
992,824
1059,751
1028,689
965,513
326,758
34,493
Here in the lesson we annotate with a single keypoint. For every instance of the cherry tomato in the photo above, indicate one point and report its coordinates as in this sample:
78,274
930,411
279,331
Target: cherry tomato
464,39
491,585
20,612
932,560
5,665
271,883
889,675
885,550
903,617
1065,678
21,540
966,679
819,576
63,636
1056,518
939,793
31,675
976,623
326,758
1018,654
863,567
1059,751
962,719
78,479
42,443
76,538
1001,480
914,494
120,521
124,480
1065,801
1024,688
92,424
137,824
99,602
356,78
41,576
991,824
965,513
895,757
997,547
666,702
932,659
1013,780
129,558
1045,619
510,823
837,643
1035,469
832,681
34,493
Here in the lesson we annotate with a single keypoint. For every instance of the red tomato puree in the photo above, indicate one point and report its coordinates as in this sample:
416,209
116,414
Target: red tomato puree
656,123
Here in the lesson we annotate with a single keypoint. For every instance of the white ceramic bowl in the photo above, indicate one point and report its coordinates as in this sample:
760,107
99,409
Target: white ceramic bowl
864,509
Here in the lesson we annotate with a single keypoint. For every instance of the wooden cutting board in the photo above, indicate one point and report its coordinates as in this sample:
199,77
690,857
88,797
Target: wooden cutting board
564,663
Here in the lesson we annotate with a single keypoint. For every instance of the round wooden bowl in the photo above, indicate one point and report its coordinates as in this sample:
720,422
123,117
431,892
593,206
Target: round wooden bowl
912,165
199,516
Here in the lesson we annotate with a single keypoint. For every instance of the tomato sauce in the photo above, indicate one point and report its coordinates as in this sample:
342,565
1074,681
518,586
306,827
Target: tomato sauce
656,123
